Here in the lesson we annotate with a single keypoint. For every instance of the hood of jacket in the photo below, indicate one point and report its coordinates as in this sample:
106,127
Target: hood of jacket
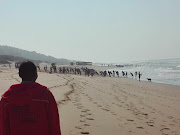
22,94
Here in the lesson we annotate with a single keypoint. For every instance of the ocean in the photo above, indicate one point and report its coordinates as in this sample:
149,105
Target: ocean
160,71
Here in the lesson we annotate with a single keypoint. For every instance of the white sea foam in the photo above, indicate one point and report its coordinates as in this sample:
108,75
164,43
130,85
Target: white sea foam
167,70
158,71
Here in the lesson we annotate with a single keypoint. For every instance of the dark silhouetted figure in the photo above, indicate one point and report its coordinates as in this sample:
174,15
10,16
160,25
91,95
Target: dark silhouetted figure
109,72
132,74
126,74
50,70
64,70
136,74
105,73
123,74
28,108
117,73
113,73
139,75
45,68
38,68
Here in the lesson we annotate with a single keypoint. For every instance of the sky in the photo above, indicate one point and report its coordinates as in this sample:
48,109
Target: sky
108,31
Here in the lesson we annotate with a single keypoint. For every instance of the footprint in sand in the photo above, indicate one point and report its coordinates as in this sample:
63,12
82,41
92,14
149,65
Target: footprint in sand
85,110
164,129
150,122
175,121
119,105
95,102
84,132
129,120
99,105
78,127
106,109
80,107
140,127
170,117
89,118
113,113
145,114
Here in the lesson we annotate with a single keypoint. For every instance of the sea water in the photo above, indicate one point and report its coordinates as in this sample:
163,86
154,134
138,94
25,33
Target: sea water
161,71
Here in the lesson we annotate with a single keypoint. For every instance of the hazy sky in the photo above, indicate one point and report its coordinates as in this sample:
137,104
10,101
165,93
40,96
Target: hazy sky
93,30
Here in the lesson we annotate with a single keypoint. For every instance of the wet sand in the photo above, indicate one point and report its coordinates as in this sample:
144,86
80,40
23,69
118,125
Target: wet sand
108,106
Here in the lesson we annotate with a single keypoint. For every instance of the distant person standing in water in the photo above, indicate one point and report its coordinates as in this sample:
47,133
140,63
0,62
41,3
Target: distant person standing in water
113,73
139,74
117,73
135,74
126,74
28,108
132,75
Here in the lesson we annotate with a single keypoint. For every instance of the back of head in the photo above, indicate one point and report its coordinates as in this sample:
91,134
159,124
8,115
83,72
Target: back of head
28,71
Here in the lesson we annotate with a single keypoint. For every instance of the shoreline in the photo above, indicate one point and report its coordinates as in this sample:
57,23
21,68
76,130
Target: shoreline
144,79
102,68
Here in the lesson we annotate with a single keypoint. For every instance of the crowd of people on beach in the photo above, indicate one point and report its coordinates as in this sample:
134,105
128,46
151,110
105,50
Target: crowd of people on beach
90,72
72,70
124,74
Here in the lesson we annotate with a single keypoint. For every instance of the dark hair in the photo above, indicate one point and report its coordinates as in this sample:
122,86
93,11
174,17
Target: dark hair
27,71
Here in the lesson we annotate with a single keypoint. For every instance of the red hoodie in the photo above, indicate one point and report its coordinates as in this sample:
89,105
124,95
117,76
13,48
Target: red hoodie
29,109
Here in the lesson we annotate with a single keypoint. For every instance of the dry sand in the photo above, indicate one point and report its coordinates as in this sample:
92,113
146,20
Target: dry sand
109,106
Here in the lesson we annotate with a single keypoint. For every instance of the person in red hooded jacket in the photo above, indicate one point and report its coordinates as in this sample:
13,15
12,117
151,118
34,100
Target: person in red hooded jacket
28,108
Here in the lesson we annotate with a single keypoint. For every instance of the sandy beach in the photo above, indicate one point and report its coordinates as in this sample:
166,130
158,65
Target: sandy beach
108,106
